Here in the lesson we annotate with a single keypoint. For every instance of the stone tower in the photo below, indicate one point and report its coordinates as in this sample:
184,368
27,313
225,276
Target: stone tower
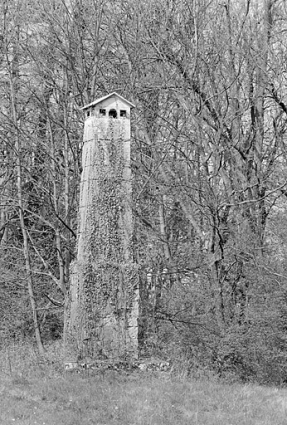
103,310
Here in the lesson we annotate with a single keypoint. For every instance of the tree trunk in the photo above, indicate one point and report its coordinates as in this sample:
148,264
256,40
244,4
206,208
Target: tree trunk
21,213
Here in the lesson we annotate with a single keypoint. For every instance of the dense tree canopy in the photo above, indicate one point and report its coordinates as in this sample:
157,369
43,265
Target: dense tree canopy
208,79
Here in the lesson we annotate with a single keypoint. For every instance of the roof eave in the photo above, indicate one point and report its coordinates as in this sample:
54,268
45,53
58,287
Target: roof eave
95,102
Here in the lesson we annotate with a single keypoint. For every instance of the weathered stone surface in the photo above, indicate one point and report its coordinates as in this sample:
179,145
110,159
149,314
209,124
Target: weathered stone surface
102,315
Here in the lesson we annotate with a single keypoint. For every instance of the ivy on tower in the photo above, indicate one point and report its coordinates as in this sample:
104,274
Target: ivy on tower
103,311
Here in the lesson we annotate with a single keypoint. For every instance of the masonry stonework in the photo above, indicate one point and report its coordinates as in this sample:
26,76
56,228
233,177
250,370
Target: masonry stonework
103,308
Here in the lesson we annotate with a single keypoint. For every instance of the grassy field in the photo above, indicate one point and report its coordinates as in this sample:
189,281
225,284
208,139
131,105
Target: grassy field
40,392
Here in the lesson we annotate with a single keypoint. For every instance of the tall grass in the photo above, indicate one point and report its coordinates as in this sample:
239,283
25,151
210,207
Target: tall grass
37,390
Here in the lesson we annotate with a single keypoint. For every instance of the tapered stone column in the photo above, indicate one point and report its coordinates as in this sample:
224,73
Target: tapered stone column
103,310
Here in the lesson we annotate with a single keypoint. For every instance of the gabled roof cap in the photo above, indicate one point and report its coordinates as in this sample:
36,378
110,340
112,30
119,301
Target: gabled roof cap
101,99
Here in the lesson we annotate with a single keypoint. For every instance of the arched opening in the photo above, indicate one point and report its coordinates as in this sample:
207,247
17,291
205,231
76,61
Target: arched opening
113,113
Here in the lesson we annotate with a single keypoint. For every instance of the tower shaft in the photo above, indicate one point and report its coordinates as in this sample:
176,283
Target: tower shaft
102,317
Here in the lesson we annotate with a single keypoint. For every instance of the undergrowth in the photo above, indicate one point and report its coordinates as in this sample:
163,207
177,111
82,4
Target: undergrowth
37,390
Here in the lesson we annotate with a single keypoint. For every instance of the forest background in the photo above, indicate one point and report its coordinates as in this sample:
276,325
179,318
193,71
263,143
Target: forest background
208,79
